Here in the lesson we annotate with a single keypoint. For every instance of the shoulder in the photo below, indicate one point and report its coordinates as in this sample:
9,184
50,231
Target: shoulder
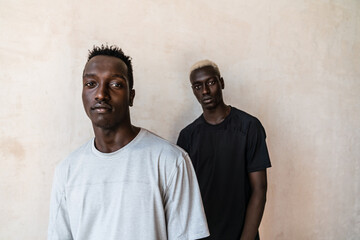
74,157
166,156
162,147
192,126
242,115
244,120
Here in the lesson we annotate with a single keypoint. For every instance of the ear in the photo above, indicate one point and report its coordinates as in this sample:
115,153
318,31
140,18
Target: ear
222,83
131,98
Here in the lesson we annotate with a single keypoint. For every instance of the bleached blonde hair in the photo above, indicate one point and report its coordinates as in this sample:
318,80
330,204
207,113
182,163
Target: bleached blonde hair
204,63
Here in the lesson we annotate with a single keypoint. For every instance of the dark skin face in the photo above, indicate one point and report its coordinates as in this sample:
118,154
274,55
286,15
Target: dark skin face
207,87
106,95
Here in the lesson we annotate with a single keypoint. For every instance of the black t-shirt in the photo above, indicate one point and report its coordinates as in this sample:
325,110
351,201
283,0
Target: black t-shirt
222,156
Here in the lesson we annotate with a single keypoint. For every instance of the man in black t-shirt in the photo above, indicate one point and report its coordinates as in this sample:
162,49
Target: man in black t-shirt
228,151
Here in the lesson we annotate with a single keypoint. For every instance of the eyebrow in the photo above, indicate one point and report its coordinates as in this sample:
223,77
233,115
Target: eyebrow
113,76
204,80
119,76
88,75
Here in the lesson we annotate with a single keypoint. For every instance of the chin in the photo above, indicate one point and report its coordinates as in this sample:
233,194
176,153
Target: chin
106,125
209,107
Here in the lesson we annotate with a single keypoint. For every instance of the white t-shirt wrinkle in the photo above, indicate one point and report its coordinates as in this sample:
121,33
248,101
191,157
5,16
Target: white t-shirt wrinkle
145,190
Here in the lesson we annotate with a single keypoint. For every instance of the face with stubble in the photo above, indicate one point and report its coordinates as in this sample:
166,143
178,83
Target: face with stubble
106,95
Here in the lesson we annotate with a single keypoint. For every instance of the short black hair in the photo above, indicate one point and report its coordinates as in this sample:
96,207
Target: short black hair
114,51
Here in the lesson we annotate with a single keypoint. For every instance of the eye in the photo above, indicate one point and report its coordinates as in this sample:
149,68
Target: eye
117,84
89,84
197,87
211,82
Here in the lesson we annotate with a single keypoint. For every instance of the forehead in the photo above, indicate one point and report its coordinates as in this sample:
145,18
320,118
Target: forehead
105,64
203,74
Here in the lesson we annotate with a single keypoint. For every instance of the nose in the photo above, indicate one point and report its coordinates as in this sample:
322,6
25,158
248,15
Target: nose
102,93
205,89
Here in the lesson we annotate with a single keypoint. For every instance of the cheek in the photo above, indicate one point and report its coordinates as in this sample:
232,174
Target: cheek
216,92
86,101
196,94
84,98
120,99
198,97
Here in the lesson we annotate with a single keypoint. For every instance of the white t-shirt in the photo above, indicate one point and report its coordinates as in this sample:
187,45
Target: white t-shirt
146,190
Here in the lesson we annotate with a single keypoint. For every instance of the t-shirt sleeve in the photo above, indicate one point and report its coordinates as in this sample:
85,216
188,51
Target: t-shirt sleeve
183,205
257,156
182,141
59,224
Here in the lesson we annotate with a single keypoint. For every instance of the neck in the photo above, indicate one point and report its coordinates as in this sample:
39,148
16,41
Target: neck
110,140
216,115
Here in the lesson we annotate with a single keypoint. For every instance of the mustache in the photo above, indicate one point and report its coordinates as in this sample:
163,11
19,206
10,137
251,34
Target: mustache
206,97
101,105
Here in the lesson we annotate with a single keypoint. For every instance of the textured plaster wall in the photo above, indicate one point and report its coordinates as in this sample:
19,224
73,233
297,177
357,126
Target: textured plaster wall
293,64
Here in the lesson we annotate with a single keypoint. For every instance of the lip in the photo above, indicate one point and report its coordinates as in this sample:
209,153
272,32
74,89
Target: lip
101,108
207,100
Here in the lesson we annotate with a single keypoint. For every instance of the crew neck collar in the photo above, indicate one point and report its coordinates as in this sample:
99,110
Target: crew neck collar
218,124
136,139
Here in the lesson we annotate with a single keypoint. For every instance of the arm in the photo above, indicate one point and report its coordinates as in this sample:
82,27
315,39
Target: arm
183,205
59,223
256,205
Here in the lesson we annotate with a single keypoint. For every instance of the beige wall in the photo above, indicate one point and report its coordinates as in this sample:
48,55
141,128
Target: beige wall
293,64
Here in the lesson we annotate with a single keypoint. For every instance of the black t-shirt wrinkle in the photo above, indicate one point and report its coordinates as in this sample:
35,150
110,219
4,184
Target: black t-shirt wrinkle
222,156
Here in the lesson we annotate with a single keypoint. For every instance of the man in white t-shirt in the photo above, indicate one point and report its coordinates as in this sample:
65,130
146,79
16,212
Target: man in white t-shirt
126,183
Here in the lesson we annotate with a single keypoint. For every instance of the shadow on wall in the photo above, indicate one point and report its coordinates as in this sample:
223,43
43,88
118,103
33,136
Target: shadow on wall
187,113
292,182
